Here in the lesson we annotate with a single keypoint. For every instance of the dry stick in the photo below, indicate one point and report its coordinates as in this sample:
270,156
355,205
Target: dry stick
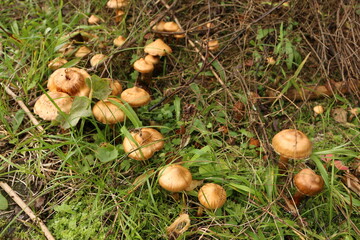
24,107
239,34
26,209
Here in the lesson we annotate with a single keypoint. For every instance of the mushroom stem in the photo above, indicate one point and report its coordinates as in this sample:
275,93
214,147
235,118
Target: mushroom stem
283,162
146,78
298,196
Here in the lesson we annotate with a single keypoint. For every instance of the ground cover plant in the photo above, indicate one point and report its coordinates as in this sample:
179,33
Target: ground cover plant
237,74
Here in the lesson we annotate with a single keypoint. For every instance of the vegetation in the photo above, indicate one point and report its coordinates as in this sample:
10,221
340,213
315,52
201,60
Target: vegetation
217,110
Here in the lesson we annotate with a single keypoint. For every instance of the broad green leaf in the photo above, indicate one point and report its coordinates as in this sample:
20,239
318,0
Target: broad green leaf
3,203
219,69
81,107
71,63
17,120
100,88
106,153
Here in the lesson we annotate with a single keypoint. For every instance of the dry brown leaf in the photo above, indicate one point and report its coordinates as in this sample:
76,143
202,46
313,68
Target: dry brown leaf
339,115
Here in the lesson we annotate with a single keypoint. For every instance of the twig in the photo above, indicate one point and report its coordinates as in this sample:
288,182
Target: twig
238,34
24,107
26,209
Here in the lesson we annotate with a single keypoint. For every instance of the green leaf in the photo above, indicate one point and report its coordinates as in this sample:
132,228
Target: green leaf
100,87
81,107
106,153
71,63
219,69
3,203
129,112
17,120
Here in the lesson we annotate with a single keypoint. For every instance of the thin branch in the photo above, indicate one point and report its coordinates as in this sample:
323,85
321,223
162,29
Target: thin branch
26,209
24,107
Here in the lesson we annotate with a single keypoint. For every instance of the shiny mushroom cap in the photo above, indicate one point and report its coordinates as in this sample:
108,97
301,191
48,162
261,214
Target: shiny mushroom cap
107,112
159,26
142,66
171,27
82,52
157,48
212,196
292,144
152,59
119,41
308,182
136,97
117,3
70,81
46,109
175,178
148,141
97,59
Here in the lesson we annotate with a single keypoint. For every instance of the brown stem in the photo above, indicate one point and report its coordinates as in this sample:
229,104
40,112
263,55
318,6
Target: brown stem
298,196
283,162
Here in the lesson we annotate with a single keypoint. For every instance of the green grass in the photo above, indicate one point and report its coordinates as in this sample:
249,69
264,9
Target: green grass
87,179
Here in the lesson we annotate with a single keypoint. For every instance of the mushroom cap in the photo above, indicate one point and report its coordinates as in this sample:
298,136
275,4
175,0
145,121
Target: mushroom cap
171,27
45,108
175,178
115,86
212,196
57,63
318,109
292,143
119,41
159,26
136,97
213,45
108,113
117,3
152,59
308,182
157,48
93,19
142,66
148,141
70,81
82,52
97,59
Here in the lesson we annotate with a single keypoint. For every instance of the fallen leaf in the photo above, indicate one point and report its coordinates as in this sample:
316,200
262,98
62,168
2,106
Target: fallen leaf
338,164
339,115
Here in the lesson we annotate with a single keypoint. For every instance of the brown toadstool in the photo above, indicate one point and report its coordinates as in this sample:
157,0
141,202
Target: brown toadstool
212,196
115,86
119,41
83,51
93,19
175,178
70,81
107,112
307,183
57,63
97,59
157,48
46,109
291,144
147,142
136,97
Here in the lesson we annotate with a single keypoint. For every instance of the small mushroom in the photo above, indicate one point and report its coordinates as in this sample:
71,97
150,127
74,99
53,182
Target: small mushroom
46,109
175,178
83,51
213,45
318,110
148,141
107,112
119,41
136,97
97,59
117,3
145,69
57,63
159,26
119,14
307,183
70,81
93,19
291,144
212,196
152,59
157,48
